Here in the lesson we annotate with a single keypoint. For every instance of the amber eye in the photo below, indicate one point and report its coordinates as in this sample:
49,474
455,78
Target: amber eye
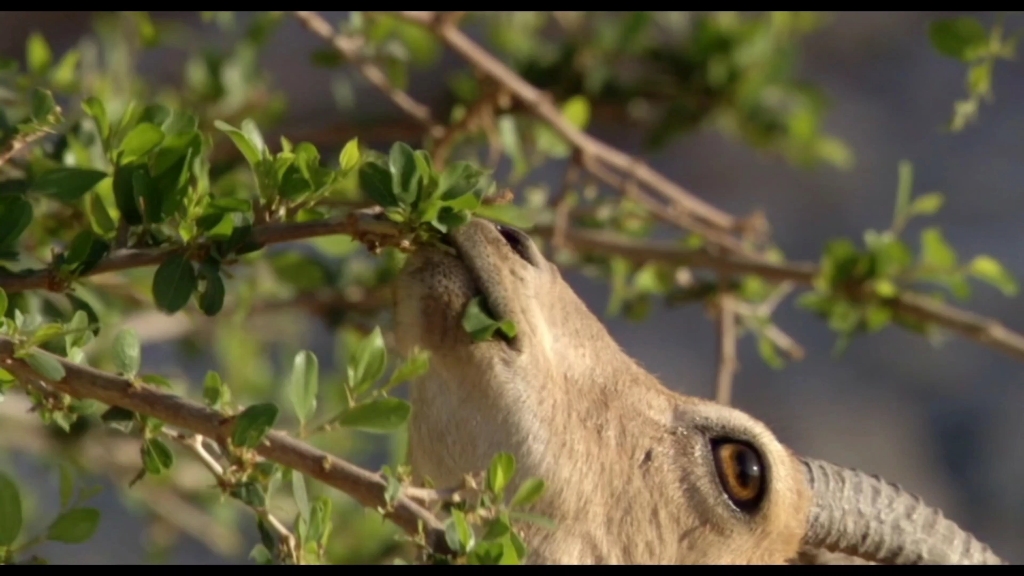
740,472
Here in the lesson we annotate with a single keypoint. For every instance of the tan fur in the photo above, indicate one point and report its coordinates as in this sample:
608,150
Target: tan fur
627,462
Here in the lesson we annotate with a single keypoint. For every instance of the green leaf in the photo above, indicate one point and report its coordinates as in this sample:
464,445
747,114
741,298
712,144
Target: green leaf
77,333
458,533
375,181
3,302
382,415
63,76
248,148
415,366
320,520
94,107
143,138
253,424
448,219
79,247
148,195
959,38
156,380
45,333
15,216
480,325
904,188
349,157
508,131
766,349
876,317
67,184
211,300
10,510
989,270
215,393
301,498
74,526
44,107
404,182
252,133
936,253
156,456
577,111
127,352
251,494
67,485
528,492
884,287
367,362
926,204
118,418
304,384
260,555
173,283
45,365
38,55
461,181
503,467
124,193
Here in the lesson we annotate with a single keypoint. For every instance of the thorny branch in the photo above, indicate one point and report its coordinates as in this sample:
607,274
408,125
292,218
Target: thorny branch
365,487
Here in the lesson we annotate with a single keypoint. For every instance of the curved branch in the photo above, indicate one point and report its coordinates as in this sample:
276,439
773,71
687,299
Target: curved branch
364,486
351,48
544,108
358,224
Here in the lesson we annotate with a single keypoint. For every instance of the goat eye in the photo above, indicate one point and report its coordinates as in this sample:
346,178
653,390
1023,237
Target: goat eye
740,472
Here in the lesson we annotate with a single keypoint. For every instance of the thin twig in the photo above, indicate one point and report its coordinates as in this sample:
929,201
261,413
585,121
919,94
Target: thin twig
727,357
356,224
365,487
194,442
18,144
118,458
352,49
543,107
911,305
908,304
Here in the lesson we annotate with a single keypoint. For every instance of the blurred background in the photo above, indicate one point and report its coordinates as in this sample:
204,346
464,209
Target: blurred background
944,422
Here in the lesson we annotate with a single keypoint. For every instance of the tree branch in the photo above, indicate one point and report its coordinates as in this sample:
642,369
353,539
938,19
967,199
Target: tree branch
118,459
18,143
727,357
364,486
358,224
542,106
351,49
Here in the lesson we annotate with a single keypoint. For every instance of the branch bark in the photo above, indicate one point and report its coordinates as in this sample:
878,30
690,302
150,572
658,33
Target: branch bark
352,49
364,486
358,224
678,198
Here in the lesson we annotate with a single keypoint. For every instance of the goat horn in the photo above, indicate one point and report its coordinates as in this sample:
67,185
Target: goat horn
864,516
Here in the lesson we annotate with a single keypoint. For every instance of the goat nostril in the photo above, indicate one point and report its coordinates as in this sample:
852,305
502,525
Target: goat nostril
516,240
